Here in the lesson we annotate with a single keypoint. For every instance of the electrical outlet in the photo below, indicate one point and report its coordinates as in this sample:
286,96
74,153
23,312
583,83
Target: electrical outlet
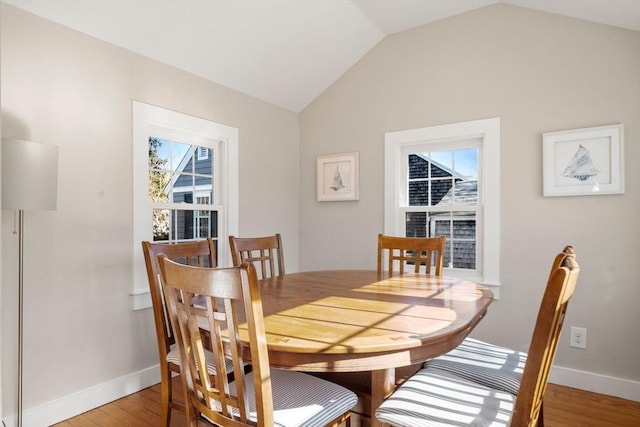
578,337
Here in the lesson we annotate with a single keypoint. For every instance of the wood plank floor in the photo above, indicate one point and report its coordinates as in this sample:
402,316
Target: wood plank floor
564,407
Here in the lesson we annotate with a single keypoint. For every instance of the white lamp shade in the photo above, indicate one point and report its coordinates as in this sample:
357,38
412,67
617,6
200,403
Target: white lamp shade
29,175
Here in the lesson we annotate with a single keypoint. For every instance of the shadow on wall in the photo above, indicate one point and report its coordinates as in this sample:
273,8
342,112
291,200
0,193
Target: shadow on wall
13,127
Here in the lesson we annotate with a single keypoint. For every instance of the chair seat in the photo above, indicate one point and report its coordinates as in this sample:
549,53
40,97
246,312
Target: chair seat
174,357
436,398
484,363
302,400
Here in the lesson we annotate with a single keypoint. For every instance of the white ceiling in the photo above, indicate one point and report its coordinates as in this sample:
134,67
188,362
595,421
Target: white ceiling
286,52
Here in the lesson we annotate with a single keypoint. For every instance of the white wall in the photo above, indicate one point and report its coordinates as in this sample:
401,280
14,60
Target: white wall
539,72
64,88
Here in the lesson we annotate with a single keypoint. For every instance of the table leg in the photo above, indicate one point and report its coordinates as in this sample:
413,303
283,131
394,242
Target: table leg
382,385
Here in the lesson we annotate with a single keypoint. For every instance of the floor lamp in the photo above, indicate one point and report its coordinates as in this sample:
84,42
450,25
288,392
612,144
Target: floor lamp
29,182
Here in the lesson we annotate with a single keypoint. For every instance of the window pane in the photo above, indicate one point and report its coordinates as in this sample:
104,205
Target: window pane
418,193
464,228
180,157
160,224
464,254
466,163
416,224
465,193
203,153
441,224
441,164
204,183
157,156
158,186
184,180
440,192
182,225
203,164
418,166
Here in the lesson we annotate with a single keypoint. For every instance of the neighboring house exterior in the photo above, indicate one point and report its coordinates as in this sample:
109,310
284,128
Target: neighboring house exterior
459,227
193,183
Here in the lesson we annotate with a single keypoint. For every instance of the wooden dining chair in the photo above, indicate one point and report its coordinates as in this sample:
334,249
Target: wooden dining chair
201,253
231,311
419,251
266,252
435,397
489,364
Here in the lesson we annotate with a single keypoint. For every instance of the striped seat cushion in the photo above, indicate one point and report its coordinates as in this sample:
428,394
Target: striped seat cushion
435,398
484,363
302,400
174,357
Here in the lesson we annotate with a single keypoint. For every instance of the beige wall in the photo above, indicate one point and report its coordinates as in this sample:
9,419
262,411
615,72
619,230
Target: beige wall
63,88
538,72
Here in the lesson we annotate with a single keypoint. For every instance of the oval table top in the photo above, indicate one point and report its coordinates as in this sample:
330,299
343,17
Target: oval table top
354,320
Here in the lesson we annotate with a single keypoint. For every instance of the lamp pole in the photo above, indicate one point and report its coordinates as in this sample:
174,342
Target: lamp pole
20,309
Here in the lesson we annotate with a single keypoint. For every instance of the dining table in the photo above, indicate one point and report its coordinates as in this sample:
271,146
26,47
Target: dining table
361,321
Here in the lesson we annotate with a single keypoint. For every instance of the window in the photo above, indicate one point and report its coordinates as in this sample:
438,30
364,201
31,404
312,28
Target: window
183,190
185,184
445,180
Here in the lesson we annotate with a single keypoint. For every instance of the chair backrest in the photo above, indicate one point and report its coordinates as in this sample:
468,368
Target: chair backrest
201,253
227,292
265,252
557,262
419,251
560,288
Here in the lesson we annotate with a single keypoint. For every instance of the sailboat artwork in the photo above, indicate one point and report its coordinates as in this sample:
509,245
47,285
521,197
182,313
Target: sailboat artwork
337,180
581,167
337,177
583,162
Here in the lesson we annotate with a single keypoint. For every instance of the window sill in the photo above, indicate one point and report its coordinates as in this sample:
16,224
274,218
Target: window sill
492,285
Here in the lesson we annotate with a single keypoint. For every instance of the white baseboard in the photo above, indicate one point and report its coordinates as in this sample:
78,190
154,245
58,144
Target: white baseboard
84,400
597,383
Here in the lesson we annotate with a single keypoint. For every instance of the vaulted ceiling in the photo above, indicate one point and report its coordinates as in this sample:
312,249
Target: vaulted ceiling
286,52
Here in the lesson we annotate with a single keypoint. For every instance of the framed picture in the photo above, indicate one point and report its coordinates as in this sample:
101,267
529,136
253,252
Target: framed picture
337,177
586,161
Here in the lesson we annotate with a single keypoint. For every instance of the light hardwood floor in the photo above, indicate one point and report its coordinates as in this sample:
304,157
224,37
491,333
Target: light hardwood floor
564,407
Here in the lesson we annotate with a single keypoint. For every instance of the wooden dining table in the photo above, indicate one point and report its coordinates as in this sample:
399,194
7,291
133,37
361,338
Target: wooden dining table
357,321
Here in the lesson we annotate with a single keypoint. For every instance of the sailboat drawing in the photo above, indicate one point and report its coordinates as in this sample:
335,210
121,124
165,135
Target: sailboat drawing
337,180
581,167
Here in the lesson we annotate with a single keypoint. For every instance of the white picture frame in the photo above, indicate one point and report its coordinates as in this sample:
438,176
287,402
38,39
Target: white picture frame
337,177
581,162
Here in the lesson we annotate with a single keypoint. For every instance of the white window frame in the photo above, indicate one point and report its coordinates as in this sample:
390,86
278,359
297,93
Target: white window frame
488,239
151,121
